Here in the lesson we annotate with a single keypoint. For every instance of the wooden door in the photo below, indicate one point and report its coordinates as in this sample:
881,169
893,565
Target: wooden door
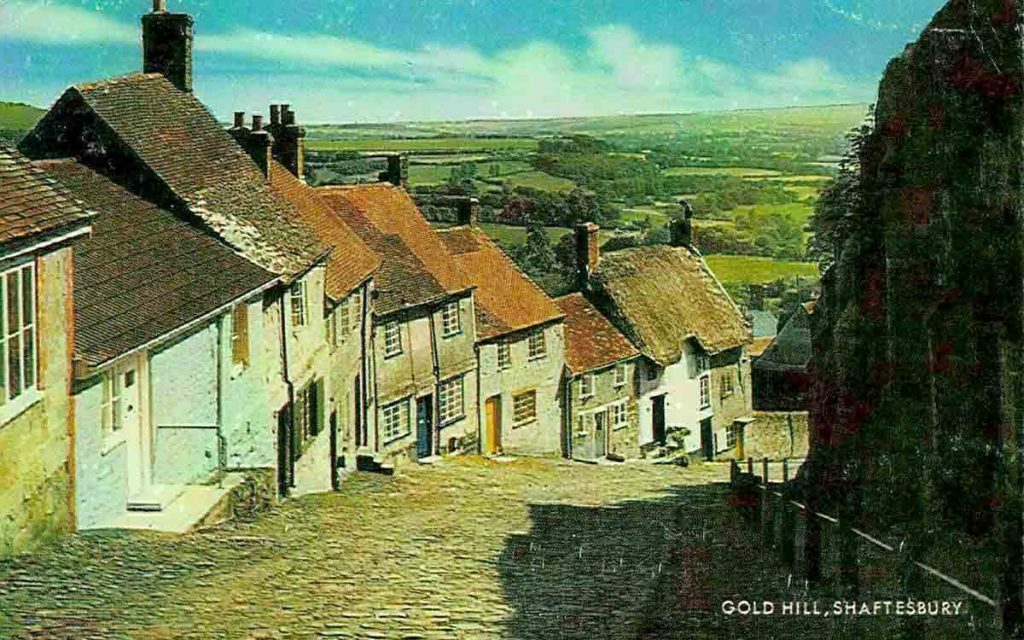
492,421
707,439
425,427
600,439
658,418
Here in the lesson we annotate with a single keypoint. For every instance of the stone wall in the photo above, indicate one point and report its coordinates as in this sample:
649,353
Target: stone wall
36,491
623,441
776,435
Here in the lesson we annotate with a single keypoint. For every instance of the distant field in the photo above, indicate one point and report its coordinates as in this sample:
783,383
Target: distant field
799,211
434,145
540,180
755,270
428,175
739,172
510,235
17,119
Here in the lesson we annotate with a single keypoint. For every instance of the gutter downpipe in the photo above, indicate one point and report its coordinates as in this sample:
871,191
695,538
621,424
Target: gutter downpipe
288,385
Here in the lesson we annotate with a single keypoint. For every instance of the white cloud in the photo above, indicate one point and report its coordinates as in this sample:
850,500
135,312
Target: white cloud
347,79
56,24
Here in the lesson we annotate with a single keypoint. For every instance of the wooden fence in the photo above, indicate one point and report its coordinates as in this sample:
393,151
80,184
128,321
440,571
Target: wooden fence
822,551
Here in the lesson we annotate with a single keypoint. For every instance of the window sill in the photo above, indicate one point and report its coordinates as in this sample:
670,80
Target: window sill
390,356
397,438
455,334
527,423
585,398
536,358
112,441
621,427
12,410
450,421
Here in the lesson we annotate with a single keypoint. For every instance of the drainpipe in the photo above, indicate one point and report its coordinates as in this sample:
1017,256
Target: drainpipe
480,402
222,443
287,382
436,363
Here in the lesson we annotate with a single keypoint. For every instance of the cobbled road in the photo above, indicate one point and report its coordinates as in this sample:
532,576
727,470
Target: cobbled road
465,548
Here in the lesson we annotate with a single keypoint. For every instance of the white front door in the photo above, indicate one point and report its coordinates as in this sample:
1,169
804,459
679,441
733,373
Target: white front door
129,378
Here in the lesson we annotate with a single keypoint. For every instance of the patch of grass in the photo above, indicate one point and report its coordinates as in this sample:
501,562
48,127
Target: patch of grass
800,211
428,175
511,235
436,145
756,270
541,181
739,172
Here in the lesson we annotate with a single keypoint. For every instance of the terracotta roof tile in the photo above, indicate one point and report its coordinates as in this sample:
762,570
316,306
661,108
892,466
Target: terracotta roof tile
416,265
143,272
351,261
506,299
173,134
591,342
32,202
660,296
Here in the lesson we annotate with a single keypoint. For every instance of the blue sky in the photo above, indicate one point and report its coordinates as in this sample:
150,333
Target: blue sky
393,60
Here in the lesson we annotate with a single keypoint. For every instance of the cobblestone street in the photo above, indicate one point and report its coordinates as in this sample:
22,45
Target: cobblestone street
467,548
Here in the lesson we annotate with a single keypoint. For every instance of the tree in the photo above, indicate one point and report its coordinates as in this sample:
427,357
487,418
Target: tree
535,256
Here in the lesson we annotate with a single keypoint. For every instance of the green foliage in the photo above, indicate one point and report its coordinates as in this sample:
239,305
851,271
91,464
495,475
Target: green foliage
535,256
573,144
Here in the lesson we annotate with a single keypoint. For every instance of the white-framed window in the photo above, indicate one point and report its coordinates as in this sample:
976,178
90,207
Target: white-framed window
538,347
727,385
705,392
620,375
504,356
451,322
620,415
112,418
731,435
297,300
524,407
703,363
394,419
450,400
341,319
240,335
18,337
587,386
392,339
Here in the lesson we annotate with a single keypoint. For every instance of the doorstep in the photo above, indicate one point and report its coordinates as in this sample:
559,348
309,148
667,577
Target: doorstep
185,512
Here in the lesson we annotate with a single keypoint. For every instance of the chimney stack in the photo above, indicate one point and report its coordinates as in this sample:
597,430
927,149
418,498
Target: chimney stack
289,139
239,120
167,41
680,230
467,211
398,171
588,252
257,142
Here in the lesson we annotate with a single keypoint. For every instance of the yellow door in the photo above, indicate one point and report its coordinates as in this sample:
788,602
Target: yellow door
492,416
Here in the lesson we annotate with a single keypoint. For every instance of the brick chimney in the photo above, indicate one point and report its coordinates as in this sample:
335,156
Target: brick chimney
397,172
289,139
257,141
588,252
467,211
680,230
167,40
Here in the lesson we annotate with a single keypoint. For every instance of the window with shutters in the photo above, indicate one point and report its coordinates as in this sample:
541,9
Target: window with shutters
392,339
240,335
18,337
450,403
524,407
297,299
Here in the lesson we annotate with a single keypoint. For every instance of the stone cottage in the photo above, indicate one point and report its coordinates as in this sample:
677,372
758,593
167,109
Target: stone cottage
519,343
40,223
171,358
695,381
600,403
148,133
781,375
422,364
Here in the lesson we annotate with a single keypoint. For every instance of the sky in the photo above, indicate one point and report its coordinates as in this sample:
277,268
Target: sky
343,61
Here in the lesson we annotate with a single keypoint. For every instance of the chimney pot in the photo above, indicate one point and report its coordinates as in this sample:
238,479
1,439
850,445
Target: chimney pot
468,211
159,6
239,119
275,114
588,252
398,171
257,122
680,230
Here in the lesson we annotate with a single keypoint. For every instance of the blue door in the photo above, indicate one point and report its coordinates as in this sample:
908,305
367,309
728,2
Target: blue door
425,427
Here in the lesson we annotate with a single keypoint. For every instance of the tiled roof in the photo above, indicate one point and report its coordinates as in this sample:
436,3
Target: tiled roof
506,299
31,202
591,342
791,349
660,296
143,272
758,346
416,266
180,140
351,261
763,324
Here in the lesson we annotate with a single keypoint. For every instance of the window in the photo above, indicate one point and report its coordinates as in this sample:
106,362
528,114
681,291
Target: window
392,339
308,408
731,435
727,385
240,335
620,375
538,348
504,356
449,400
297,296
705,392
341,320
18,314
587,386
703,363
112,416
620,415
451,323
395,419
524,407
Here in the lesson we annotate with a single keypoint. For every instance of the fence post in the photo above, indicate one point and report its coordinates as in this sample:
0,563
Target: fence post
750,466
733,472
767,526
787,529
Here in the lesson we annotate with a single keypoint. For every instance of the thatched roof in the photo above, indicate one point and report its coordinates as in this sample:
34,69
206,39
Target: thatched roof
661,296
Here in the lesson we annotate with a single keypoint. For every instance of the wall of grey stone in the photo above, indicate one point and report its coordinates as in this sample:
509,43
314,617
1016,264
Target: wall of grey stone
776,435
542,436
733,366
624,441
